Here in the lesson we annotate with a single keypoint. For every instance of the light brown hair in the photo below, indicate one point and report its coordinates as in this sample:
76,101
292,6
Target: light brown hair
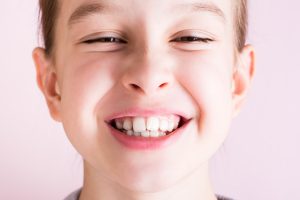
49,10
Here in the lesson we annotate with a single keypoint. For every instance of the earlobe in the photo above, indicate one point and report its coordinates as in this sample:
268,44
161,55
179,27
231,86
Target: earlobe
47,82
242,77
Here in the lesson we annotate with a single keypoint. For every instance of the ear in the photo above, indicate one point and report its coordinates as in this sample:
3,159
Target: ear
47,81
242,77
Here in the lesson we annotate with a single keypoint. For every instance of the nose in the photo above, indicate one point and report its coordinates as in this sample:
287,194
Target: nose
148,74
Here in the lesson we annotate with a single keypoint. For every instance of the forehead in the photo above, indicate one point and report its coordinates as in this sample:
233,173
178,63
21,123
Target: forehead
73,11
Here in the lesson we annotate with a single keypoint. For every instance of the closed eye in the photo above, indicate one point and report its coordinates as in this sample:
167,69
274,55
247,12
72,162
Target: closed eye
190,39
105,40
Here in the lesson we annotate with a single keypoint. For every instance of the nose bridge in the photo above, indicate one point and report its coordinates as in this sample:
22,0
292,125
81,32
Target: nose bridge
148,72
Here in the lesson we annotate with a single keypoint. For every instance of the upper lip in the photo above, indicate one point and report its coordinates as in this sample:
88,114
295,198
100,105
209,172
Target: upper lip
146,112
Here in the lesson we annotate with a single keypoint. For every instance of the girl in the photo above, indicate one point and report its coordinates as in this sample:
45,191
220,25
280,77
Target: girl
145,90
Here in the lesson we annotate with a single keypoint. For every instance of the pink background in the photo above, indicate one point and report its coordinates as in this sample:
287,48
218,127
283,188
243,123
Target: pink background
260,159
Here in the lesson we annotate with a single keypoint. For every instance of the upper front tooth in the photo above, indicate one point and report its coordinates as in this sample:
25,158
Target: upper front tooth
139,124
127,125
152,123
164,124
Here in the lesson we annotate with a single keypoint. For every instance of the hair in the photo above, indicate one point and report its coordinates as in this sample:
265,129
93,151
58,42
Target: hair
240,23
48,16
49,10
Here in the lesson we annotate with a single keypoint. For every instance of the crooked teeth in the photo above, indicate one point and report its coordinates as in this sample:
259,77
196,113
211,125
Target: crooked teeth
148,127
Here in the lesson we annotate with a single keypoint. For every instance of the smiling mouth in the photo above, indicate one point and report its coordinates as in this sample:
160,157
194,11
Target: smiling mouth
148,127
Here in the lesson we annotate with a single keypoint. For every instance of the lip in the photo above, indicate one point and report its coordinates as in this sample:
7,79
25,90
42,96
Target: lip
150,143
141,112
141,143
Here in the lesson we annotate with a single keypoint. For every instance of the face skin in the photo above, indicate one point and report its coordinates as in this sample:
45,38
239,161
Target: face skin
84,83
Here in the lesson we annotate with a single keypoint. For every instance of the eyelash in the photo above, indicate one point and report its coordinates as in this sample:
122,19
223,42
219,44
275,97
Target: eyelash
184,39
188,39
105,40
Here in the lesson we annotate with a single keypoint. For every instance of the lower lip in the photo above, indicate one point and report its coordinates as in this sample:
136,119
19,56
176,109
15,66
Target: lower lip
150,143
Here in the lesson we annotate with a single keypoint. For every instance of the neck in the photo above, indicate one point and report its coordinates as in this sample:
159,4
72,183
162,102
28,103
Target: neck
195,186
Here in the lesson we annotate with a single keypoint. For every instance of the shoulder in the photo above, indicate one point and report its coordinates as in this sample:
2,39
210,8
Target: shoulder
74,195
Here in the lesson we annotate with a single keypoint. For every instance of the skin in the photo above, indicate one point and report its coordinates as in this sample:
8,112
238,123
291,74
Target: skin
84,83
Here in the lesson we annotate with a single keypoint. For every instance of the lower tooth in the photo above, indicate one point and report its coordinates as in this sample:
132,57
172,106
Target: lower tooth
145,134
162,134
129,132
154,134
136,134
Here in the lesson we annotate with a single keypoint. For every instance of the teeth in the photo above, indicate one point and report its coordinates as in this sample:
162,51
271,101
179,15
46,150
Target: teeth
164,124
176,123
154,126
154,133
171,125
130,132
145,134
127,125
162,134
152,123
139,124
119,124
136,133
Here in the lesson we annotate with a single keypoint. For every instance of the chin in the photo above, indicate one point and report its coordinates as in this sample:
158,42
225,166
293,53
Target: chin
150,181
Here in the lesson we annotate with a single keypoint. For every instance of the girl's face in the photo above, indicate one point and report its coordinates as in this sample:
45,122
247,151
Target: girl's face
144,57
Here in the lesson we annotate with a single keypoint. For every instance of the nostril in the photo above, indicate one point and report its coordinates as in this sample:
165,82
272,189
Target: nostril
147,88
163,85
134,86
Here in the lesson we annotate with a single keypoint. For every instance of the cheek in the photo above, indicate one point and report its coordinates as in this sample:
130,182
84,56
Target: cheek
207,79
85,83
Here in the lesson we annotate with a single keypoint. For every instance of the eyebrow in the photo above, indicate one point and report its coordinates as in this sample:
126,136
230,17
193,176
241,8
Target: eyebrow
87,9
202,7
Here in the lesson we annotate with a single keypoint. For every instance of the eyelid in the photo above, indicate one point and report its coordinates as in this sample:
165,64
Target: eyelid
103,34
194,33
194,39
98,39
